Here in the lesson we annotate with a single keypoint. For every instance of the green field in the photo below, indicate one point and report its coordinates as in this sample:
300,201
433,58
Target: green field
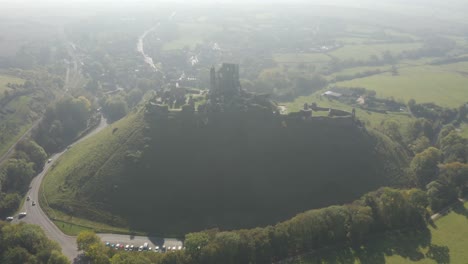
300,58
190,35
424,84
5,79
444,242
464,130
365,51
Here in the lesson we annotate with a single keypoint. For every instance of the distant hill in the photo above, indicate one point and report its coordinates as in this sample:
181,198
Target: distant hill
188,172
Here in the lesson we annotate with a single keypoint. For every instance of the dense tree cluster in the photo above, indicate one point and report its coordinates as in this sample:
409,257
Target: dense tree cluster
383,210
433,112
23,243
115,108
63,122
17,172
284,85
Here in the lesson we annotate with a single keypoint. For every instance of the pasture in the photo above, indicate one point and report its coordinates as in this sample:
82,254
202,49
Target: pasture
190,34
5,79
367,50
423,83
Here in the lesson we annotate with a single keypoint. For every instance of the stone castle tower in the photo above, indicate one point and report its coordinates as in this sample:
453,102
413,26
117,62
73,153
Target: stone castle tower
225,82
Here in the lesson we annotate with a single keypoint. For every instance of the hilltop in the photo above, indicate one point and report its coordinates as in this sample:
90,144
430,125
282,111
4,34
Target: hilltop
234,163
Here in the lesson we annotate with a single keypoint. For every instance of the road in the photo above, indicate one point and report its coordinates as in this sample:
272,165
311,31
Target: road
35,215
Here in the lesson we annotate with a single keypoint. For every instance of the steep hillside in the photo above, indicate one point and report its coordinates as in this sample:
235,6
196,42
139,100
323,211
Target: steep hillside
186,171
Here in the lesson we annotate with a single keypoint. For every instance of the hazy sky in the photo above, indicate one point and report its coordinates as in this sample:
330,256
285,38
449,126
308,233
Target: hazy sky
448,9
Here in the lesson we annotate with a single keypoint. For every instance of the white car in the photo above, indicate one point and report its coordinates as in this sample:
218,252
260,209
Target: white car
140,248
10,218
49,160
22,214
126,247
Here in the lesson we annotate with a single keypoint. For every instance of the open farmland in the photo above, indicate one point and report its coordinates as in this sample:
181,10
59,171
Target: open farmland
190,34
424,84
5,79
367,50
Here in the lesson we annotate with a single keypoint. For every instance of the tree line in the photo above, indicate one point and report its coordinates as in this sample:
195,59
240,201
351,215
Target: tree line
62,123
24,243
351,224
16,174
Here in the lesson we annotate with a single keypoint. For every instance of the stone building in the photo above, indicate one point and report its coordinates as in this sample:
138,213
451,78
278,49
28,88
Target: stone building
225,82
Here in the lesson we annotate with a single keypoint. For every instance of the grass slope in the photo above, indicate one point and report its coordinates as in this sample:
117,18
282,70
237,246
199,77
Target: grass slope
226,175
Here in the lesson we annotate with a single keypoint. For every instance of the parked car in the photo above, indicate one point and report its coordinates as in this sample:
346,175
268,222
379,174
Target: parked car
33,203
22,214
145,246
27,198
140,248
127,247
107,244
10,218
49,160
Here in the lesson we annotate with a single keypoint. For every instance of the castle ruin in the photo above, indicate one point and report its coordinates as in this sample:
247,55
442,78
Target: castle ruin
225,82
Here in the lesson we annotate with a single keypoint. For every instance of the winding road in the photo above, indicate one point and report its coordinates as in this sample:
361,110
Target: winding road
35,215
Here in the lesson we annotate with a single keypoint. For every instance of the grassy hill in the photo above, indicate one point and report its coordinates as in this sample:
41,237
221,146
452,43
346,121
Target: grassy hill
237,170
